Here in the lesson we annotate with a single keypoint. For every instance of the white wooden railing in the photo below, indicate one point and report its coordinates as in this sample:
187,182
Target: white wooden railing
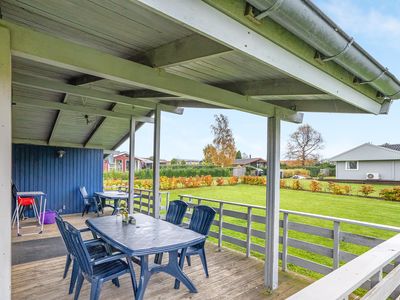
368,267
144,203
230,214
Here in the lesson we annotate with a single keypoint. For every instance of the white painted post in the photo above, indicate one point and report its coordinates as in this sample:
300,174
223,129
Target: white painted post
272,213
220,225
156,163
285,236
336,245
132,166
248,238
5,163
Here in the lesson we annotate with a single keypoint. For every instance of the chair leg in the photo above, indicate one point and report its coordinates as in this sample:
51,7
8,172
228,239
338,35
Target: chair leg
67,264
74,275
158,258
188,260
116,282
204,261
78,286
95,290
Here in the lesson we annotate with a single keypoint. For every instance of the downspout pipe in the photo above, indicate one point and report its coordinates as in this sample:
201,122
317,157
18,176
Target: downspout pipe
307,21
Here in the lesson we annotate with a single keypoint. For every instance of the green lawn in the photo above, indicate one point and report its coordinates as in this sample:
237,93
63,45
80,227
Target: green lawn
350,207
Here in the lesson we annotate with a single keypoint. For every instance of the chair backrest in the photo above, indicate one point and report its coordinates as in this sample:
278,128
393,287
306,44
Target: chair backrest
176,212
84,194
14,191
61,228
202,219
79,250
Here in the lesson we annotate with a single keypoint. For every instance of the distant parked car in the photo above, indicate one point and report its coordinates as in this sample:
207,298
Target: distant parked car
298,177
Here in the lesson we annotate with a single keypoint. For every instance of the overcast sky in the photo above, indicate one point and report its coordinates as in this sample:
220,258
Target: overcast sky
376,27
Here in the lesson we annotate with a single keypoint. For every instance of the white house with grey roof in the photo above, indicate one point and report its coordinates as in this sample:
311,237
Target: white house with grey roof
369,162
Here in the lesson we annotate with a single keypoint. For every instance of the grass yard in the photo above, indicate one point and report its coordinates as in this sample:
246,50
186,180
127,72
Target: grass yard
349,207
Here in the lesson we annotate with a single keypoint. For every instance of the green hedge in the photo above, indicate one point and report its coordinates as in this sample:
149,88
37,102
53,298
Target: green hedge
173,172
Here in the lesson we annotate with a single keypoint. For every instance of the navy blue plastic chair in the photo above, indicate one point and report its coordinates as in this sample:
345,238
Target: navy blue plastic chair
175,214
201,221
89,201
98,270
96,248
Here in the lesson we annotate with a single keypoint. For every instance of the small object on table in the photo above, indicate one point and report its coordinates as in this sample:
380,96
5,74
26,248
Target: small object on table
132,220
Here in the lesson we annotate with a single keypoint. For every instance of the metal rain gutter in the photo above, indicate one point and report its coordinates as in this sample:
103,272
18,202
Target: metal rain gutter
308,22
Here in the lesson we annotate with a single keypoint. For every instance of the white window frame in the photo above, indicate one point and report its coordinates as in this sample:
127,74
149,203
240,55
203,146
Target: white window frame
347,165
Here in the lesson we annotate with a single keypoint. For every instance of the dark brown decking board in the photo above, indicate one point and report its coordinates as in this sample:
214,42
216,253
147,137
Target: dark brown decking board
232,276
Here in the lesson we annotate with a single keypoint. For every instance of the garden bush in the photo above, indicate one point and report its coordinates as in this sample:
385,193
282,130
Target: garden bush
288,173
296,185
315,186
254,180
366,189
233,180
392,194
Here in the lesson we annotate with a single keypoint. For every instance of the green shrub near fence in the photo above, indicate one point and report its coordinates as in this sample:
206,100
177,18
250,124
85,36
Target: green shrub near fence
173,172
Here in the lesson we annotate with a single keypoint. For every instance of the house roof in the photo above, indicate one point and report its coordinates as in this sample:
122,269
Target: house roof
391,146
247,161
368,152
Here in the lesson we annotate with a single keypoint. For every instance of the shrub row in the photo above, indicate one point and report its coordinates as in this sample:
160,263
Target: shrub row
288,173
173,172
391,193
171,183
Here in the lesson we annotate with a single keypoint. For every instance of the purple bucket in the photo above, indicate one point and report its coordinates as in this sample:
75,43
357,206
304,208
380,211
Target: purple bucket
49,217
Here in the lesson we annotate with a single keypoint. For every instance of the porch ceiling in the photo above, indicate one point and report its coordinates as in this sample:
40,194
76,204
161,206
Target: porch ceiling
204,73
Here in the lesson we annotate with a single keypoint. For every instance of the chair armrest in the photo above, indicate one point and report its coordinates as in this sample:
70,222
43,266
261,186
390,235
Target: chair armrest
84,229
108,259
94,242
186,226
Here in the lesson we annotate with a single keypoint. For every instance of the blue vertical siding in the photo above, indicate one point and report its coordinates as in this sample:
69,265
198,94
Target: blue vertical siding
38,168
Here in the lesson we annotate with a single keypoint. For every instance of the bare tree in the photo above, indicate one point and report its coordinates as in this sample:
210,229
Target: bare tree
304,144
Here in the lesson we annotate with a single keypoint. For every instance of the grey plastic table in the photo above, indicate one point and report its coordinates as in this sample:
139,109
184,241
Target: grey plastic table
149,236
114,195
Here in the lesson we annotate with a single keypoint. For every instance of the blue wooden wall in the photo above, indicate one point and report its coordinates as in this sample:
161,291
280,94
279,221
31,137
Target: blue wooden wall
38,168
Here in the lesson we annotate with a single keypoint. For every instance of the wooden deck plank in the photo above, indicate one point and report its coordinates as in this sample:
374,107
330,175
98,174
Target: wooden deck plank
232,276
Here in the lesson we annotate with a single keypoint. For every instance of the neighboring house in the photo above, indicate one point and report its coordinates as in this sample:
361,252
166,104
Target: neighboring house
119,161
256,162
369,161
191,162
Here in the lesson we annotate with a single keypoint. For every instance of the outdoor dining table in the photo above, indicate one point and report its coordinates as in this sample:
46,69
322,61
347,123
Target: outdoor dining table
149,236
113,195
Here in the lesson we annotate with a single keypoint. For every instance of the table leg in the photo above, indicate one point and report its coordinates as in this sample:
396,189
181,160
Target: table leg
44,212
181,264
145,275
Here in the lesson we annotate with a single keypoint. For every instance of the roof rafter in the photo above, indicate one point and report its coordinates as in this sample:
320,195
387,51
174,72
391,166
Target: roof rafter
41,47
23,101
57,86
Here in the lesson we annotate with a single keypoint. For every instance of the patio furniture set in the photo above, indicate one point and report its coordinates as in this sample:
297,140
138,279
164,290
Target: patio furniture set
116,246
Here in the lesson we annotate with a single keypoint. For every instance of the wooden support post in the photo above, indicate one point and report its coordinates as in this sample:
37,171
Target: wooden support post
248,238
132,166
285,240
5,163
220,225
272,199
336,245
156,163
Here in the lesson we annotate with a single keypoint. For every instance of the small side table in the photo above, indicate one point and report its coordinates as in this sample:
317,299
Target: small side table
42,209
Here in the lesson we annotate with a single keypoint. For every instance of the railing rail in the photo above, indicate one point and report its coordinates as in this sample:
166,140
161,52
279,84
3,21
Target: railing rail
242,220
145,202
369,266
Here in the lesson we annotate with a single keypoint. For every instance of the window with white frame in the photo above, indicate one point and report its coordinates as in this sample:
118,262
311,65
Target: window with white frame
352,165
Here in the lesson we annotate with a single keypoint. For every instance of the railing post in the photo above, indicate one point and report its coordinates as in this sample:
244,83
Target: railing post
336,245
375,279
220,221
248,240
141,201
285,234
198,201
167,201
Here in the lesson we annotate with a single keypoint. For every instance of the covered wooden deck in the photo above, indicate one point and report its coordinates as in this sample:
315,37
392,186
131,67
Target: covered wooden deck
232,276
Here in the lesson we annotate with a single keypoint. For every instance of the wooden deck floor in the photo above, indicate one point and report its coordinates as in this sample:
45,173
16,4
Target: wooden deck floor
232,276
